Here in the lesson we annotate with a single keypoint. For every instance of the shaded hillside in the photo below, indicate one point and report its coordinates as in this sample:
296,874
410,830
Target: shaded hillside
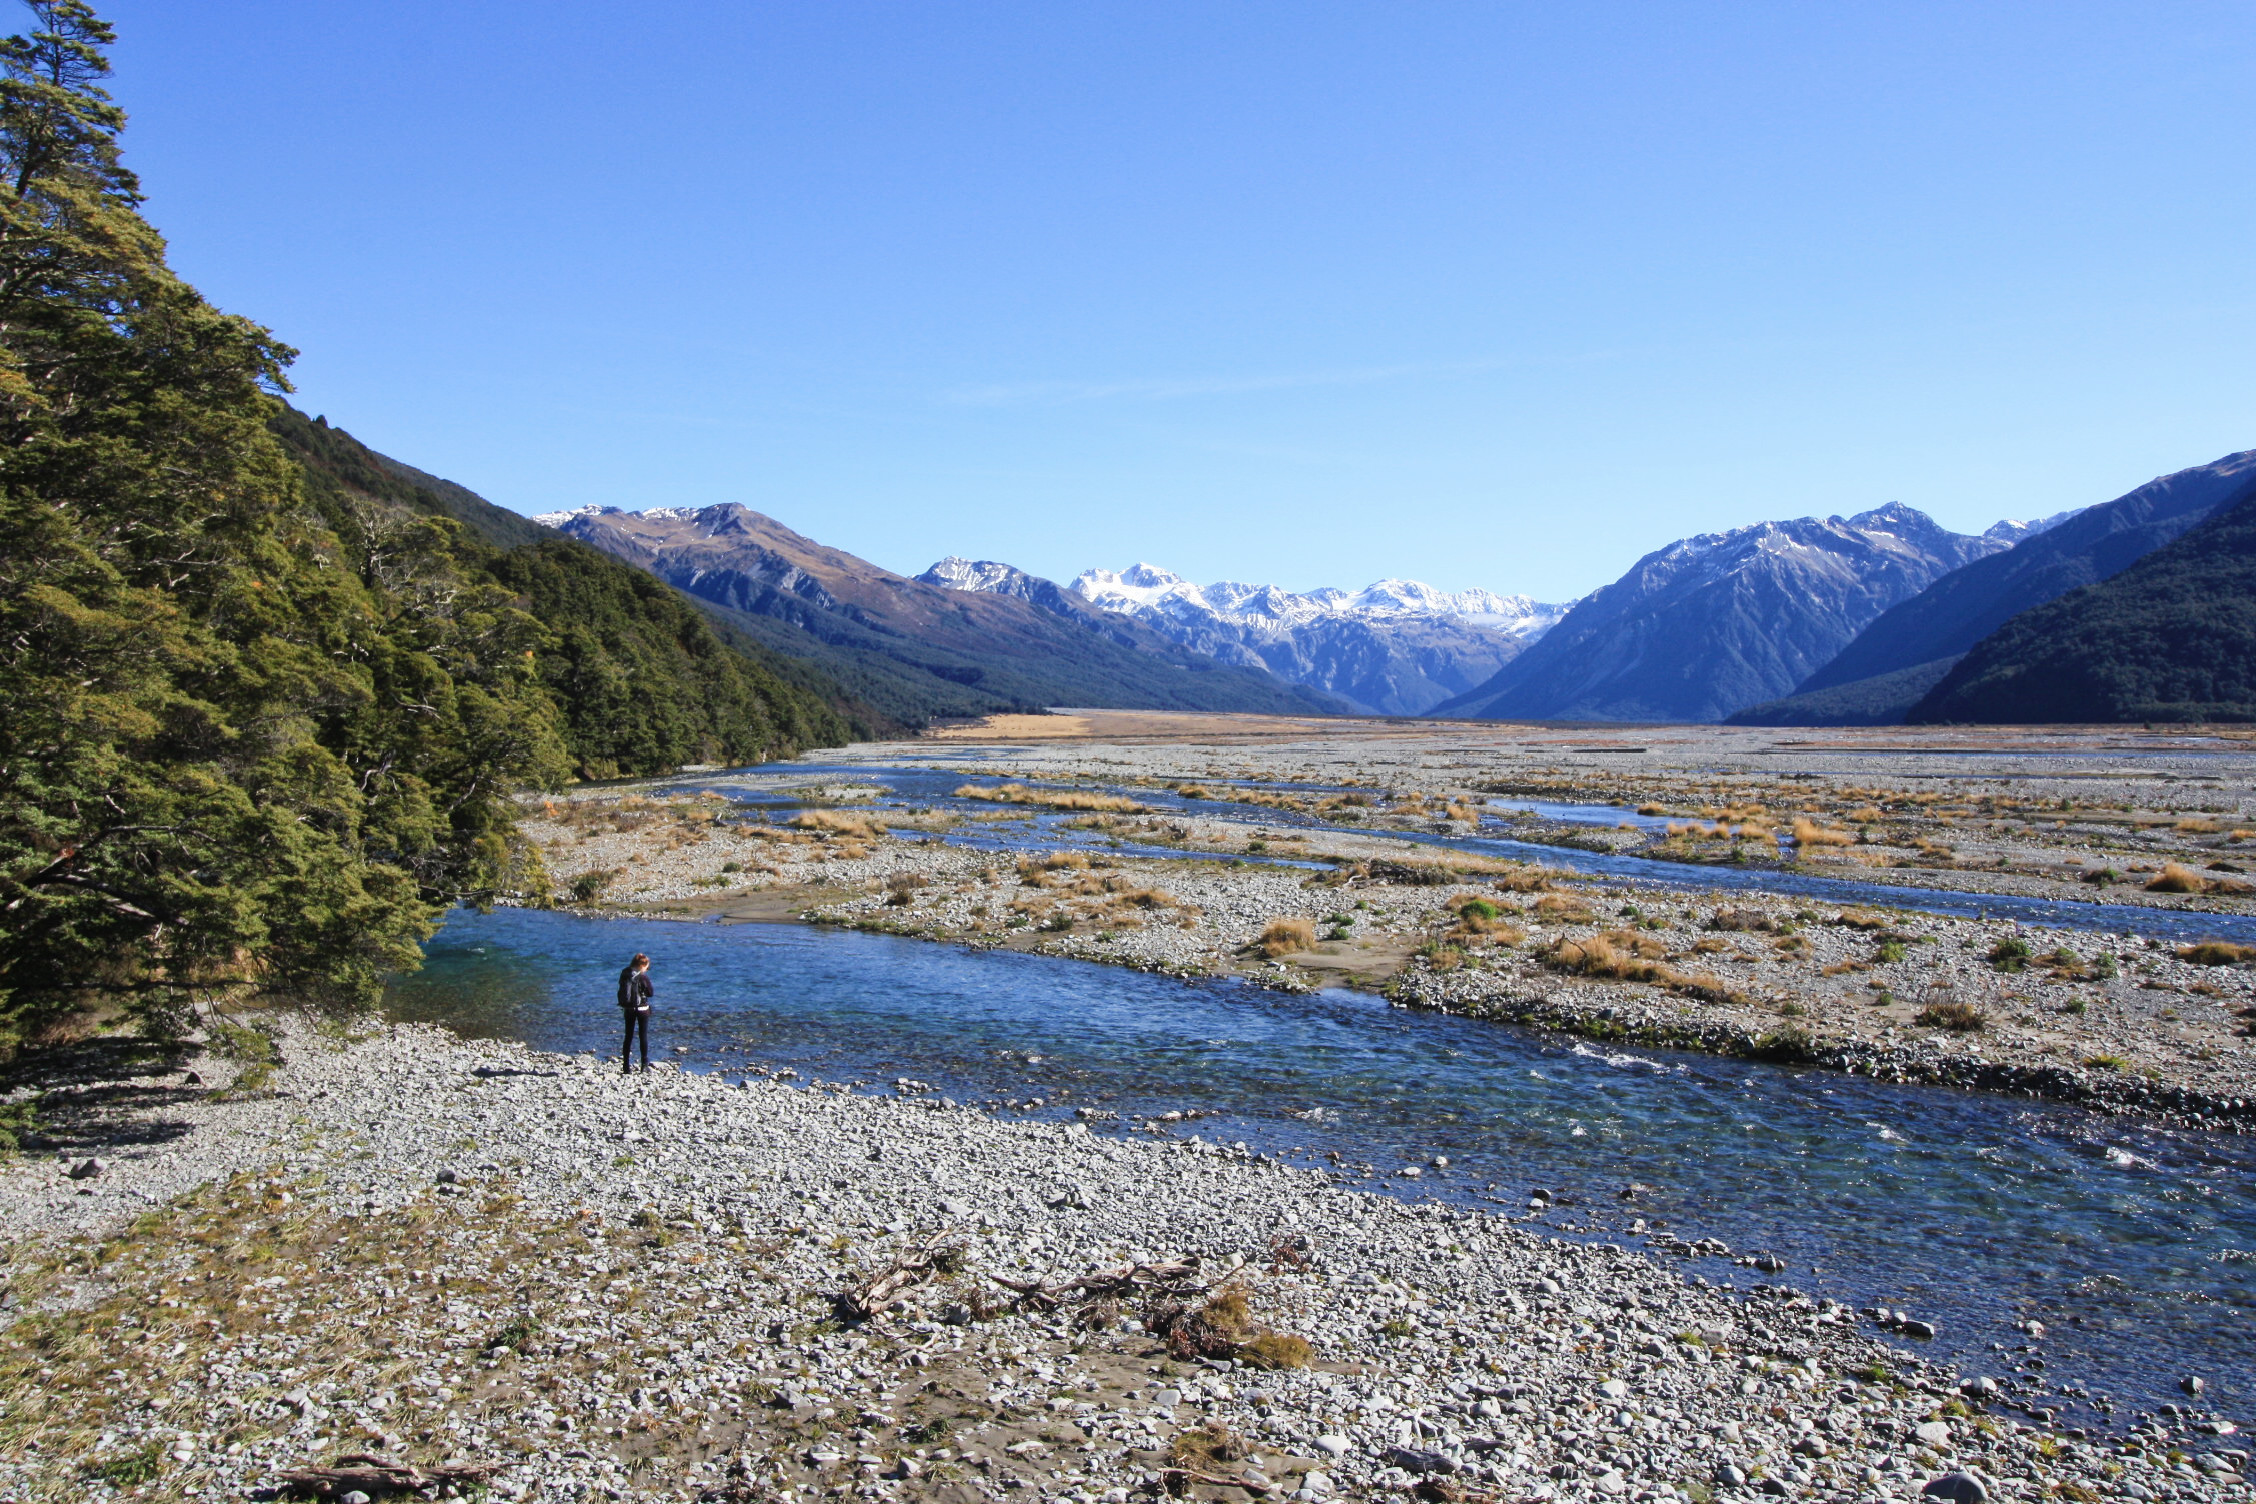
643,682
1711,624
1878,701
914,650
2171,638
1941,622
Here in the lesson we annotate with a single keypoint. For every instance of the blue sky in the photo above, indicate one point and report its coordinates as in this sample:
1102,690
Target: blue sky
1496,294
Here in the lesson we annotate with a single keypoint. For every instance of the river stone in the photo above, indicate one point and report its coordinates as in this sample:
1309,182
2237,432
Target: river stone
1959,1488
1614,1389
1413,1460
1729,1475
1932,1433
1919,1329
1333,1446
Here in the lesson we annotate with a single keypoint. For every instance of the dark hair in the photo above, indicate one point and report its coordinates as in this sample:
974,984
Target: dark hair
639,959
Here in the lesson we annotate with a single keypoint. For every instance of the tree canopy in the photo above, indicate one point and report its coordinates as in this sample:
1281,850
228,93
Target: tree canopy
253,743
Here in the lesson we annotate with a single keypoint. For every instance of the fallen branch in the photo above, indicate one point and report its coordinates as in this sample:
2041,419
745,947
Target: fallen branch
909,1272
375,1475
1178,1480
1177,1278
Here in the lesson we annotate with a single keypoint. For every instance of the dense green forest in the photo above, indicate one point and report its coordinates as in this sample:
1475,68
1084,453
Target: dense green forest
641,679
266,717
2171,638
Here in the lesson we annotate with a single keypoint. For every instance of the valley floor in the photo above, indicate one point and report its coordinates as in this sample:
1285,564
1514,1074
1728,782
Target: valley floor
1303,853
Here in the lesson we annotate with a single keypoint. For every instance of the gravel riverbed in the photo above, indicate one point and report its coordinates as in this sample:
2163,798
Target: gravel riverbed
629,1287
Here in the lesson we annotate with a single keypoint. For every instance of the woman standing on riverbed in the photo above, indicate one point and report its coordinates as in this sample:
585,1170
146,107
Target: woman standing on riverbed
635,993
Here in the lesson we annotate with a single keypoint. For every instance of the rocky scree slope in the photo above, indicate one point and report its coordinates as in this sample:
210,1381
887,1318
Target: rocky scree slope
1711,624
910,649
2171,638
1906,651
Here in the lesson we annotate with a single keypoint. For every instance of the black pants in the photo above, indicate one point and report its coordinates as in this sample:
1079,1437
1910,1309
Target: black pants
638,1019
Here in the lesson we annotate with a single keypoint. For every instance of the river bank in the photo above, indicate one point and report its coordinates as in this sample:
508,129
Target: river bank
474,1252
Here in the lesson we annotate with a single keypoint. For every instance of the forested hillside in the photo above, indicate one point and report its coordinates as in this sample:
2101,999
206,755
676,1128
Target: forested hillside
642,681
264,722
2172,638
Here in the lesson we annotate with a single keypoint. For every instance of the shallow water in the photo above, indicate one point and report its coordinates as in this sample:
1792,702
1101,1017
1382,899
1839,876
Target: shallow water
2136,1246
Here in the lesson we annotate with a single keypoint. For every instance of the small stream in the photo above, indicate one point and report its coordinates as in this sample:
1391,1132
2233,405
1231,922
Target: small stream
2136,1246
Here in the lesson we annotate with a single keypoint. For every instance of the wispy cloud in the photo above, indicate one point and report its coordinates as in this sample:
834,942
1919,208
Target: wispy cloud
1169,388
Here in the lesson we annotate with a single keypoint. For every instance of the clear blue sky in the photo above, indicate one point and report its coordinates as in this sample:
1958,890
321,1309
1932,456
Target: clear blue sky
1315,293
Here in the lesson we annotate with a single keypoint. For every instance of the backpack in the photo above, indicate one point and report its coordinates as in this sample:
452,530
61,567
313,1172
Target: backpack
630,988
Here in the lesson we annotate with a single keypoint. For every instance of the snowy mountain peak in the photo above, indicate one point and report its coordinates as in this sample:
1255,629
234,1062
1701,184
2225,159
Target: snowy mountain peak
558,519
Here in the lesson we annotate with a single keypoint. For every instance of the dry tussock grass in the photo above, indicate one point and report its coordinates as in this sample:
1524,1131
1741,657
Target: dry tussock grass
838,822
1808,833
1019,793
1284,937
1561,908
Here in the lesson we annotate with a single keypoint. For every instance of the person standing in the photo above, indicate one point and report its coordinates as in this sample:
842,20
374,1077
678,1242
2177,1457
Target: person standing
635,993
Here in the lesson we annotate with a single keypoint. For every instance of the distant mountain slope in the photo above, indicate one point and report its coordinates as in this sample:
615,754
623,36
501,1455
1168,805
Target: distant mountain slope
1710,624
2171,638
916,650
1878,701
1395,648
1967,605
643,682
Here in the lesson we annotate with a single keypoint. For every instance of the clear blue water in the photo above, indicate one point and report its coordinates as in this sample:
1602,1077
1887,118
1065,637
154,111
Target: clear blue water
2135,1245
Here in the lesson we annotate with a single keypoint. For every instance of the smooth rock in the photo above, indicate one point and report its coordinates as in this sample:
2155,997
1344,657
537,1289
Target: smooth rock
1413,1460
1333,1446
1730,1475
1958,1487
1932,1433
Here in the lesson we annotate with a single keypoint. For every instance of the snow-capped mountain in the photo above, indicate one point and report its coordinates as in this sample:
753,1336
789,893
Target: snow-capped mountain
1395,648
1714,623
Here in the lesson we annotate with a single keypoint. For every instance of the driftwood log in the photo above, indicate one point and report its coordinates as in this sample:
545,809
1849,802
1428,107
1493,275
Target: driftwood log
376,1476
1179,1278
909,1272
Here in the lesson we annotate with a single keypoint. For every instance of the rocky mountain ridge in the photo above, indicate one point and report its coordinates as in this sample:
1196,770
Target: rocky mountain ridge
911,649
1719,621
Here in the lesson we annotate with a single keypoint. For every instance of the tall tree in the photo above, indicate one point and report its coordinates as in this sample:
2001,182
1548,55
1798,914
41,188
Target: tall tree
240,755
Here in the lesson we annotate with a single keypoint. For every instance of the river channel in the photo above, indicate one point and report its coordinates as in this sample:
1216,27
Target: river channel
2134,1245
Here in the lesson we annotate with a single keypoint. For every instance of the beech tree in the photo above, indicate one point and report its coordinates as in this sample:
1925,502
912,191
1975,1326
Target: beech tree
241,754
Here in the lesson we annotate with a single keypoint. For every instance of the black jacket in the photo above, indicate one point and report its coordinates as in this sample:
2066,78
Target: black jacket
635,990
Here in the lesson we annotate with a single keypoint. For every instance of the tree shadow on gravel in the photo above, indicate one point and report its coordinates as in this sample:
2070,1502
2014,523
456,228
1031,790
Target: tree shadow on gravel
104,1093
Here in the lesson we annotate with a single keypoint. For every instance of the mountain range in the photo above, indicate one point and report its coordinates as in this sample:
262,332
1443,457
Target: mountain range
911,650
1397,647
2169,637
1909,649
1716,622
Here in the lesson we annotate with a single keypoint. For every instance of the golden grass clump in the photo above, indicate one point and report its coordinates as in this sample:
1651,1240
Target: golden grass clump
2174,878
1019,793
2217,953
1527,880
839,822
1560,908
1284,937
1809,833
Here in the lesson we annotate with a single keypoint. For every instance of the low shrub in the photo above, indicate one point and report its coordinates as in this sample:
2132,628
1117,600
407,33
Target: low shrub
2217,953
2174,878
2010,954
1955,1016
